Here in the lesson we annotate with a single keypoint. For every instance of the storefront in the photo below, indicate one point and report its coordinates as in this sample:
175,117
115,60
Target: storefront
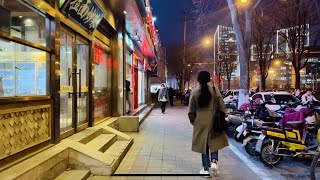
102,81
25,56
55,72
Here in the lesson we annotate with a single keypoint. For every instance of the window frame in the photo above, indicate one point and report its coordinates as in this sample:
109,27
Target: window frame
48,50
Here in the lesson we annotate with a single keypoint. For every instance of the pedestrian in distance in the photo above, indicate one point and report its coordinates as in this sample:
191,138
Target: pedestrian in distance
128,97
171,94
163,97
201,112
308,97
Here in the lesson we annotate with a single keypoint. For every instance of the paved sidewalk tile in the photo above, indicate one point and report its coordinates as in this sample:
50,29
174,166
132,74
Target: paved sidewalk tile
163,146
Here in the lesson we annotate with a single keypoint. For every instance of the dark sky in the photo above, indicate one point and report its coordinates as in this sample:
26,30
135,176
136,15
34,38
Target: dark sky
168,14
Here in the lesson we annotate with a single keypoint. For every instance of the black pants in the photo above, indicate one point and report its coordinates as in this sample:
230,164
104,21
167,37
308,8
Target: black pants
171,101
163,106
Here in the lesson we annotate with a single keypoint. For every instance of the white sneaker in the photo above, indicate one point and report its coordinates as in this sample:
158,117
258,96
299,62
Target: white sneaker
214,168
202,171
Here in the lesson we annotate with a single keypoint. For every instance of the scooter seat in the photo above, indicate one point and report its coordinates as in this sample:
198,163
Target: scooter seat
296,124
269,124
272,129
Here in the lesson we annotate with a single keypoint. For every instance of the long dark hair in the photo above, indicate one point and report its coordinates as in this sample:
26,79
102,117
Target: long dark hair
205,96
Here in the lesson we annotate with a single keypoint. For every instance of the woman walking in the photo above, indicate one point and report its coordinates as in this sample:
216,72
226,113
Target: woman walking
201,112
163,97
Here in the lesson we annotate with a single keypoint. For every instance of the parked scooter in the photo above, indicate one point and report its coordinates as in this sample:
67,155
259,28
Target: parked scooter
295,140
251,129
234,119
186,98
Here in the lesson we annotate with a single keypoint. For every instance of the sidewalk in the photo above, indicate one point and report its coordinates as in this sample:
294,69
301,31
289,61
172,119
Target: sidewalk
163,146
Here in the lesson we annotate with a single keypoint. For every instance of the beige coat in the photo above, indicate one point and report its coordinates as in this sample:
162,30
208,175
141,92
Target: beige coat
202,123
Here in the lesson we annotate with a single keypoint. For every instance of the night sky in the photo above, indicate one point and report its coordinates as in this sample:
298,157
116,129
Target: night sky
168,14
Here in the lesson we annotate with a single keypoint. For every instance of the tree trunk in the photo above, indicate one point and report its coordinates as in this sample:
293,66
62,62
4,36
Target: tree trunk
242,51
297,86
229,83
263,83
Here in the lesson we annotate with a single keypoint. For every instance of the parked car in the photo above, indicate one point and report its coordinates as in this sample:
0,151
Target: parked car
279,96
233,93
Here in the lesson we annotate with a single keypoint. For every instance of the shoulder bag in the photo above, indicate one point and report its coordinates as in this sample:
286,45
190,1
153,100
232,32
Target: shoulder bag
219,124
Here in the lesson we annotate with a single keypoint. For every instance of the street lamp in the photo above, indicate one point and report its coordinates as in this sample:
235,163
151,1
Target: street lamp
207,42
244,1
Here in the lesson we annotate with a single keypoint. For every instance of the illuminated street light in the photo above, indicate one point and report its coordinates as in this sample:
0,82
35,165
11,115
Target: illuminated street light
189,65
277,62
244,1
154,18
207,42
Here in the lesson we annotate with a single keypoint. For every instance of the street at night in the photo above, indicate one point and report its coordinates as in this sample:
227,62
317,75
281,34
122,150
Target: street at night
159,89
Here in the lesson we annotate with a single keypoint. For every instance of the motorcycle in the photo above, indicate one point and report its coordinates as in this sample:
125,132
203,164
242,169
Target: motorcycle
253,116
294,140
251,129
234,119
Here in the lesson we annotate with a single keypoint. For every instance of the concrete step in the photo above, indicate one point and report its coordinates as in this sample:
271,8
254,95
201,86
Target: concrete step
74,175
102,142
117,149
144,114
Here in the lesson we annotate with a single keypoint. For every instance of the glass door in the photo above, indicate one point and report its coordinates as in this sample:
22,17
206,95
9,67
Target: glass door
74,56
82,84
66,81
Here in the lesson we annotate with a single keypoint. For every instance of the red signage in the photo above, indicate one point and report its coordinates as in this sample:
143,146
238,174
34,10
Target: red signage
98,54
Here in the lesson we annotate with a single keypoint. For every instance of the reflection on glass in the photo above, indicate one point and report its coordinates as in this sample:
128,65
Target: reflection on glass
25,23
102,84
23,70
82,58
65,80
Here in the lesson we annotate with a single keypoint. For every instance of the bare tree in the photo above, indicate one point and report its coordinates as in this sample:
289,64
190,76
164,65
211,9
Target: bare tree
263,37
296,17
193,56
241,16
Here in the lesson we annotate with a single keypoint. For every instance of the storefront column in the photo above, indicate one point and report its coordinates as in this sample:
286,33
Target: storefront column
55,76
90,79
118,74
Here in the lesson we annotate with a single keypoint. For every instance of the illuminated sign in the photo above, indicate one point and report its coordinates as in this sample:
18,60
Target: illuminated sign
85,12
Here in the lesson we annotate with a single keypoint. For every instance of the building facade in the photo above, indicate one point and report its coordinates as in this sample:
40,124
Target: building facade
225,55
63,66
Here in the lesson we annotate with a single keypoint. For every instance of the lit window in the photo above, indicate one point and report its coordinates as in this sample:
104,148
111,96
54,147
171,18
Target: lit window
23,70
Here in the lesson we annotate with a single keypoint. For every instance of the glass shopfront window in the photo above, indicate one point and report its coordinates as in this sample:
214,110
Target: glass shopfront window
102,83
23,70
129,78
129,67
22,21
140,83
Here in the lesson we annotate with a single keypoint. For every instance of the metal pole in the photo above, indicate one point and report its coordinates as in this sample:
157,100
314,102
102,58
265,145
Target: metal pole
184,49
316,75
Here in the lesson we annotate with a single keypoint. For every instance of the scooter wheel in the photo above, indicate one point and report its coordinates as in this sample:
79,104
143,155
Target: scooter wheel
267,156
230,131
238,139
250,147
